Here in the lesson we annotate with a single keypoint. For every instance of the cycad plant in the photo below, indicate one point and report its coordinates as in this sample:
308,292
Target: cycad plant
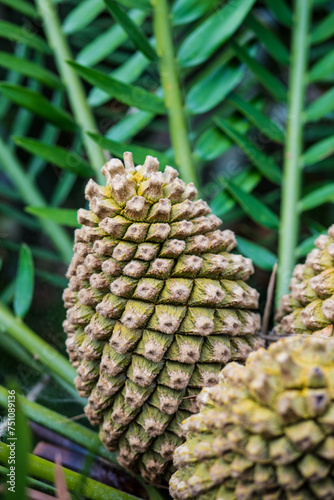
236,95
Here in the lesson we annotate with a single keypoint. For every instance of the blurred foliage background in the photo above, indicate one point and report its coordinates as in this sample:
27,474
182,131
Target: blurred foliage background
236,94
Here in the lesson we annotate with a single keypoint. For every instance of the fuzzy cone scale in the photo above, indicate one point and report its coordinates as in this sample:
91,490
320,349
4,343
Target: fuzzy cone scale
157,305
266,431
309,308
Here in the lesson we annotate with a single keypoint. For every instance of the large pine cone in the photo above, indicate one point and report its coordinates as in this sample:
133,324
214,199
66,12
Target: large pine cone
157,305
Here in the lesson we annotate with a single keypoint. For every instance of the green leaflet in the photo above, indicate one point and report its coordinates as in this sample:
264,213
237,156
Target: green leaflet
69,160
281,11
267,79
321,107
82,15
264,124
248,179
17,34
319,151
128,72
269,40
323,30
37,104
186,11
213,143
211,90
266,166
30,69
139,153
136,4
134,33
322,68
317,197
127,94
254,208
63,216
107,42
129,126
215,30
22,6
24,283
262,258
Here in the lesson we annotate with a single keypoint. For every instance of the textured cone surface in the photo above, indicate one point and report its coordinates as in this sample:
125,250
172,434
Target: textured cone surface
157,305
309,308
266,431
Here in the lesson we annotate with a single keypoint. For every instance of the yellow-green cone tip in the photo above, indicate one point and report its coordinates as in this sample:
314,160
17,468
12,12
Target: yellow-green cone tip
309,308
157,305
266,431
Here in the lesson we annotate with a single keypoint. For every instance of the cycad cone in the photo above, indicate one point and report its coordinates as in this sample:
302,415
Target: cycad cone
156,307
309,308
266,431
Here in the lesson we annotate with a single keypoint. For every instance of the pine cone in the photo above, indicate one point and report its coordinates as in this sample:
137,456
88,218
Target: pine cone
157,305
266,431
309,308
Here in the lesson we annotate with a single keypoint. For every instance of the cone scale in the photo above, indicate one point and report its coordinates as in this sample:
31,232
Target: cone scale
156,307
266,431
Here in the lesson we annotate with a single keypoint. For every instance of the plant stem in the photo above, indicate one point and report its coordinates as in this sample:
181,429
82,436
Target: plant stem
30,194
34,483
40,349
62,425
75,91
292,169
45,470
172,92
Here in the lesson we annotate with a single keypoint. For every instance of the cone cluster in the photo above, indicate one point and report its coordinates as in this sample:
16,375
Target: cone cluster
266,431
309,308
157,305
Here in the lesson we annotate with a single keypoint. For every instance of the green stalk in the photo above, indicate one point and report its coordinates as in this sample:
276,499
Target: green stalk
33,483
18,352
62,425
30,194
172,92
45,470
75,91
292,169
40,349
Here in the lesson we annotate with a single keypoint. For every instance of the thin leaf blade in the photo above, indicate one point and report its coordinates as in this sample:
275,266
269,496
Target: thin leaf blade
19,34
130,95
215,30
30,69
252,206
265,125
317,197
69,160
134,33
63,216
37,104
267,79
319,151
24,283
261,256
266,166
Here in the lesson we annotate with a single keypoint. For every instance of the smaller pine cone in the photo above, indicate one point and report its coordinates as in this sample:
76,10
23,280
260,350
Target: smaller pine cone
156,306
266,431
309,308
